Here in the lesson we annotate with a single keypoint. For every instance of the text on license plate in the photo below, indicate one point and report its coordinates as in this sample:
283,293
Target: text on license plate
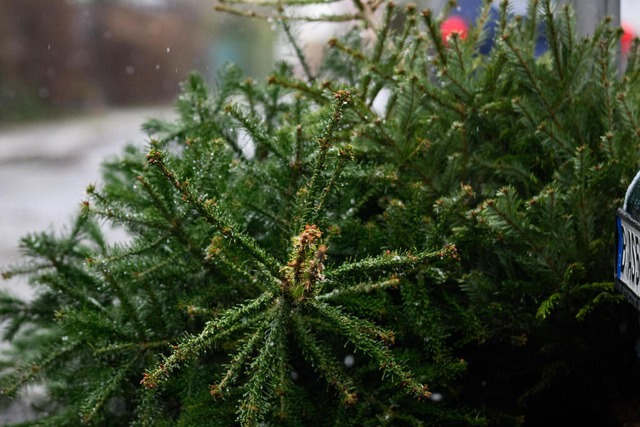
628,255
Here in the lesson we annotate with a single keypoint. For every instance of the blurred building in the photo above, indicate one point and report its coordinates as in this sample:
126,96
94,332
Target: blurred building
70,54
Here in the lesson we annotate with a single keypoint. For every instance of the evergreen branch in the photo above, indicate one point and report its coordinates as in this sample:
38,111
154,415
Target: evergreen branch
633,62
391,104
140,276
416,52
570,31
506,196
553,38
117,214
455,38
155,302
48,359
238,361
175,224
11,305
266,180
352,329
630,115
597,300
436,37
319,356
248,88
312,194
478,34
446,102
503,13
238,273
107,388
60,282
117,217
371,67
135,250
409,109
149,410
158,266
409,27
92,325
365,113
379,135
260,388
299,139
255,131
506,205
529,72
263,16
14,313
214,330
213,215
357,55
606,85
381,38
367,12
444,72
531,25
299,53
363,326
125,299
25,269
540,125
169,131
278,222
284,387
548,305
130,347
311,90
360,288
389,262
344,154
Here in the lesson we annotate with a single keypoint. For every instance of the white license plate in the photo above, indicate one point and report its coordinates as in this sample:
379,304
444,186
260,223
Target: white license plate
628,253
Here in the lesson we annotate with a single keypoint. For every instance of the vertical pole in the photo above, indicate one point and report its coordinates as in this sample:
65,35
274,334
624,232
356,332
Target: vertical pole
589,13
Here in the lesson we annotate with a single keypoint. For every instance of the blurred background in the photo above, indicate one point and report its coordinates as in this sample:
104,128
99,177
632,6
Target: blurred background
63,56
79,77
77,80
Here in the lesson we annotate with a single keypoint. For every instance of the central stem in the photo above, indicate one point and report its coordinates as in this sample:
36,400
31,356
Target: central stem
305,265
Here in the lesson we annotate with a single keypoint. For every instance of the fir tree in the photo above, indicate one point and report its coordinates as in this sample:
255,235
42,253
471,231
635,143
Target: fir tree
355,260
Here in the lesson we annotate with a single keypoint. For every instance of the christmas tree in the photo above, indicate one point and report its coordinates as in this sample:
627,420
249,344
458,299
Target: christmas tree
299,255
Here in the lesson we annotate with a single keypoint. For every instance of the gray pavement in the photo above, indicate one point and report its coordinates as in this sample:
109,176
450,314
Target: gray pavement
44,171
45,168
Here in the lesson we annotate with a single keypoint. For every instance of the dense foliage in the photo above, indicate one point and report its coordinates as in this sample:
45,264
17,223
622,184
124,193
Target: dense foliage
417,234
